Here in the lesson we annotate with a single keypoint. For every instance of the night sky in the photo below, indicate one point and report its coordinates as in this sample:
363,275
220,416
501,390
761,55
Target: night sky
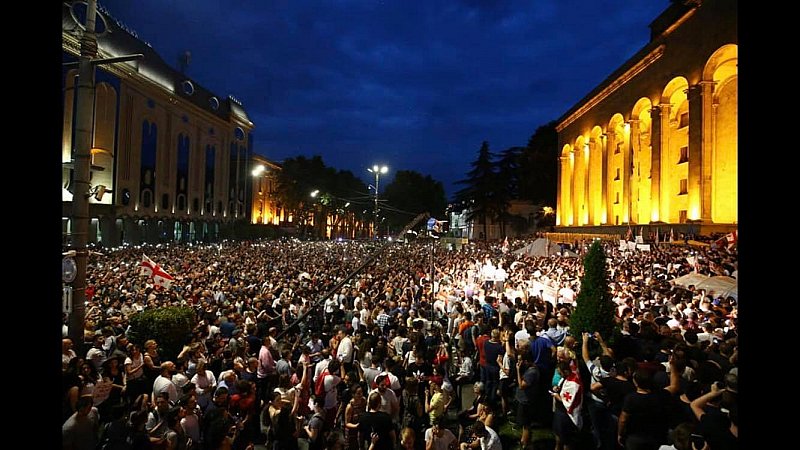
415,85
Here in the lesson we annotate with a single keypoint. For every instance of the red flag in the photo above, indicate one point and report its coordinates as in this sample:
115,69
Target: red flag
152,270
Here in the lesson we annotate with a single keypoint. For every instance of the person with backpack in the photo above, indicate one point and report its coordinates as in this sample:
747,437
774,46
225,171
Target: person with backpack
325,389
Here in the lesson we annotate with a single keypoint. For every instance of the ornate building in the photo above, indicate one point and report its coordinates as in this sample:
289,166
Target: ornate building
170,159
657,141
265,209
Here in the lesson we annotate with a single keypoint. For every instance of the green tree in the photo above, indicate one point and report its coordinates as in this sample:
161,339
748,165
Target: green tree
411,193
538,167
170,326
477,195
506,186
299,177
595,306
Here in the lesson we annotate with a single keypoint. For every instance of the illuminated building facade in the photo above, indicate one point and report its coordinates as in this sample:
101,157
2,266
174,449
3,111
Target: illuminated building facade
172,158
265,208
657,141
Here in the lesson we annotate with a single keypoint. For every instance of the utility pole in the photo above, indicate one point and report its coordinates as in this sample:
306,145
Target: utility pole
84,121
84,125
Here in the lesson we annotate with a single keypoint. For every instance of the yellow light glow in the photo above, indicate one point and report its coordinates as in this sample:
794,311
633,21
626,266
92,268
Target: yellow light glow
654,215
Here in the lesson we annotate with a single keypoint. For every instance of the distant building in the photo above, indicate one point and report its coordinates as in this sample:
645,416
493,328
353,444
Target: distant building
265,208
521,219
657,142
170,159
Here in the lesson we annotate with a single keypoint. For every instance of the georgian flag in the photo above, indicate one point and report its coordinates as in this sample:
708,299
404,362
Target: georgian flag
152,270
732,238
571,393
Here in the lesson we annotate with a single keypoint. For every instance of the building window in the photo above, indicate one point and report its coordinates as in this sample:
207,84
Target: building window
683,120
616,201
684,187
196,205
618,149
684,154
682,216
146,199
616,178
616,220
126,197
165,201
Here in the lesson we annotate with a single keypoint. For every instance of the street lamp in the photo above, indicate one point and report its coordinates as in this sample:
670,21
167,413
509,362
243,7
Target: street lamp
377,171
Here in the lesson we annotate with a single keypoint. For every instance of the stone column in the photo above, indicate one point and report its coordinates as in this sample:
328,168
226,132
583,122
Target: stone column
633,179
608,177
130,231
659,123
108,231
587,171
604,201
709,110
562,207
151,232
696,128
626,177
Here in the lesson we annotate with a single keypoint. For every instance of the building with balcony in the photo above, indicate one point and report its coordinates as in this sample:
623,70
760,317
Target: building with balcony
657,141
170,159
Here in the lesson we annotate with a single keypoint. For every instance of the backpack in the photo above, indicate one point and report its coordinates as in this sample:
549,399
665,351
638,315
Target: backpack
319,386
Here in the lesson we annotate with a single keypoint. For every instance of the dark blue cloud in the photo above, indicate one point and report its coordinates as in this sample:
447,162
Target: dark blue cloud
414,85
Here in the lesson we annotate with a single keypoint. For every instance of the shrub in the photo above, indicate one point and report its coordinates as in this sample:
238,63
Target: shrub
170,326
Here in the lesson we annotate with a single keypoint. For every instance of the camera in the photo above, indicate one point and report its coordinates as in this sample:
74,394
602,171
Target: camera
698,441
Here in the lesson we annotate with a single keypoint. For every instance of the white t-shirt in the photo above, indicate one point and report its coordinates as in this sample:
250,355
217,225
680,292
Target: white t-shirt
443,441
491,442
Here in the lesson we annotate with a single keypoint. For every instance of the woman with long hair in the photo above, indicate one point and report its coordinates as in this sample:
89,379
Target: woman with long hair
355,407
134,373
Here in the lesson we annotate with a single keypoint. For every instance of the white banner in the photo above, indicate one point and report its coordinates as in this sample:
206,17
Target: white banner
643,247
101,391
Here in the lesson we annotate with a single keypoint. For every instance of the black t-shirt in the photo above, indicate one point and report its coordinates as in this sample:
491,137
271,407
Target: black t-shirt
715,427
646,414
376,422
492,351
616,390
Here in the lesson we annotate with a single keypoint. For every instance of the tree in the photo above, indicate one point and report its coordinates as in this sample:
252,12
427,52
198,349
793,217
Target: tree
595,306
295,182
477,195
538,166
411,193
170,326
506,186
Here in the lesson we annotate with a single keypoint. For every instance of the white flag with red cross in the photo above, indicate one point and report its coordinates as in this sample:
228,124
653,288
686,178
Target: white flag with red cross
571,396
152,270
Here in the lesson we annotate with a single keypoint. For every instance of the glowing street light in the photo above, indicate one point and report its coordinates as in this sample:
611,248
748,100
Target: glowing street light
377,171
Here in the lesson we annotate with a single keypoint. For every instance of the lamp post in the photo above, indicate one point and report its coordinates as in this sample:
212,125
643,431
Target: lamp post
377,171
84,124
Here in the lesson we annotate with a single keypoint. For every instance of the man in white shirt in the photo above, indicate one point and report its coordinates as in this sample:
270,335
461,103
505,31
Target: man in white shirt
486,438
163,383
389,402
438,437
344,351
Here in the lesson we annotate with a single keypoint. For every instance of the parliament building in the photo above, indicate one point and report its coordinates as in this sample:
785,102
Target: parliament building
656,143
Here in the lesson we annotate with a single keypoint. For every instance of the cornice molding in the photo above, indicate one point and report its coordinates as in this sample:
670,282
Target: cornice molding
620,81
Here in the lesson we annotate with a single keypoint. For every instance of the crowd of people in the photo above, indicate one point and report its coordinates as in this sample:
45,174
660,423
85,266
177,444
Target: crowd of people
291,350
